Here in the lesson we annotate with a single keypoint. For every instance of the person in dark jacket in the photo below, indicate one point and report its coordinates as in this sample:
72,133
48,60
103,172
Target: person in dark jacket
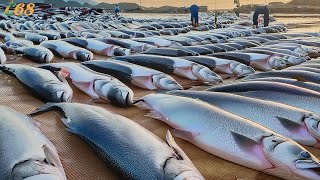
261,10
194,10
117,10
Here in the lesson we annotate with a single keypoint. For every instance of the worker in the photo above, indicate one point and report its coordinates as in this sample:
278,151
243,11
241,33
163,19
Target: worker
261,10
236,8
117,10
194,10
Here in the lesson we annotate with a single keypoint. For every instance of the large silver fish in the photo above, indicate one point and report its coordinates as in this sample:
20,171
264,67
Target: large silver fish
36,53
36,38
25,152
44,84
173,65
137,75
232,137
222,65
294,123
92,45
261,62
67,50
96,85
128,147
307,85
293,74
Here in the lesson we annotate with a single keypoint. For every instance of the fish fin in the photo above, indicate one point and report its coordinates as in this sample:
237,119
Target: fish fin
175,147
162,91
51,156
155,115
97,100
66,121
288,124
47,107
34,123
185,134
83,84
300,78
142,81
143,105
64,72
243,142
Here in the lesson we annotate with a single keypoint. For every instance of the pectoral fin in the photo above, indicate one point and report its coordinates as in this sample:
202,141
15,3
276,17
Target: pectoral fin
184,134
243,142
51,156
173,145
288,124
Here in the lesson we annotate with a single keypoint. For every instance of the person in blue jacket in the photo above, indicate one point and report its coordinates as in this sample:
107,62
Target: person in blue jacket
116,9
194,10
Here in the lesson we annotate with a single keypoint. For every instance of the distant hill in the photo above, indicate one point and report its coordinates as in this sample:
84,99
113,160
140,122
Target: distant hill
82,2
123,6
304,2
61,3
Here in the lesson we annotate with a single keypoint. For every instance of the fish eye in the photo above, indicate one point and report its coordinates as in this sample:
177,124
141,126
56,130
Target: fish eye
305,155
62,97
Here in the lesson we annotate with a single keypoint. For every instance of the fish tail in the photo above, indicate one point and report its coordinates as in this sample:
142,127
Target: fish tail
7,70
45,108
137,101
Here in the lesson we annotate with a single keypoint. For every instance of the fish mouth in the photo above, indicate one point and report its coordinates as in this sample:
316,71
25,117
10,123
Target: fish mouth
241,70
121,98
313,125
310,165
121,52
84,56
65,96
277,62
205,74
163,81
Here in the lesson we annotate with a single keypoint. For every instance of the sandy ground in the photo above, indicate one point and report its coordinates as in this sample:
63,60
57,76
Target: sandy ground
81,162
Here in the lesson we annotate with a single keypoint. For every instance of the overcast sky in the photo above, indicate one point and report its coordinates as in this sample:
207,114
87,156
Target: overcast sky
220,4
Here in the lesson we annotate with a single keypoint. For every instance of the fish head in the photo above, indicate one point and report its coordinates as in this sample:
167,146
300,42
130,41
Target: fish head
65,95
300,51
42,39
46,56
313,125
277,62
314,52
241,69
291,60
118,51
163,81
56,37
116,92
205,74
290,160
84,55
